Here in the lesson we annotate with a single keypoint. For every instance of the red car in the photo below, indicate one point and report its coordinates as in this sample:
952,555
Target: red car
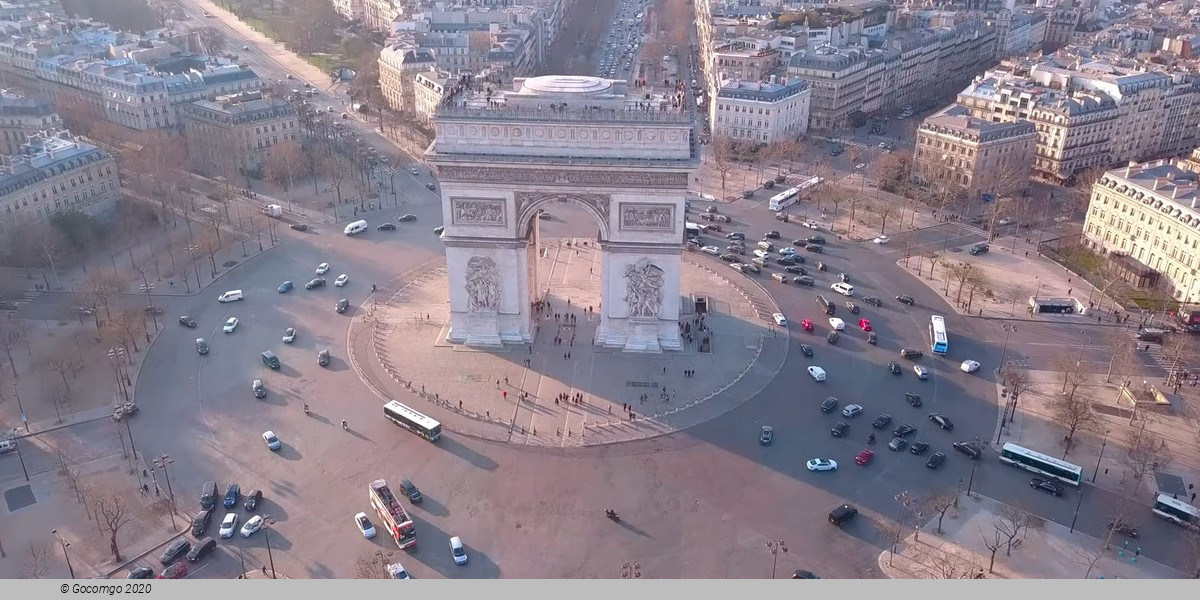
178,570
807,323
864,457
865,324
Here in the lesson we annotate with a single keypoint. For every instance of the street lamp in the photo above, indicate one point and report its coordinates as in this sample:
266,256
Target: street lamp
161,462
776,546
1103,443
267,522
24,417
1077,505
192,251
115,353
146,287
65,544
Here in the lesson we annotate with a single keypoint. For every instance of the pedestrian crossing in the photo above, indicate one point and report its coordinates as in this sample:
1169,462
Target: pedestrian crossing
26,297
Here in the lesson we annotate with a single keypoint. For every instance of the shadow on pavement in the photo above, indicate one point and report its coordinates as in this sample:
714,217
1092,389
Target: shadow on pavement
474,458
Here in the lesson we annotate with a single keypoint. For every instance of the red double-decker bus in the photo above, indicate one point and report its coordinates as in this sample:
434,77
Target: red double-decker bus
391,513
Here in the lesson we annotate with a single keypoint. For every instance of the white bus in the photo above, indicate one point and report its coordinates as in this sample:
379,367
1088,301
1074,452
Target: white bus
412,420
937,335
1176,511
1036,462
784,199
693,229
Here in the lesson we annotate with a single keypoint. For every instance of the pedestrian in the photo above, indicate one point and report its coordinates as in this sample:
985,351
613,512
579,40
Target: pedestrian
556,401
1069,291
1193,497
664,370
264,569
504,394
171,282
460,405
568,355
506,380
564,356
568,299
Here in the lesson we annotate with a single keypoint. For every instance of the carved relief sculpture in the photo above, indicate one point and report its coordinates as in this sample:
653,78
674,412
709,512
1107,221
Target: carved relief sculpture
647,216
477,211
643,288
483,284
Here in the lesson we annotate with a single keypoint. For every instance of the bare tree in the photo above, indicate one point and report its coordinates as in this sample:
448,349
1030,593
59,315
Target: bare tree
127,324
993,542
1017,381
285,164
333,168
99,288
59,363
892,533
37,564
722,150
1145,452
1012,522
1072,412
10,336
1088,554
960,273
113,510
1122,353
50,245
1178,349
975,281
370,566
885,210
161,9
942,564
212,39
933,257
941,502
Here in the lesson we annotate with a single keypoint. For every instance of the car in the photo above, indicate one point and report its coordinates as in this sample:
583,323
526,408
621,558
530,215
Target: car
806,350
364,525
803,574
439,230
201,549
410,490
767,435
152,309
864,457
341,305
201,346
785,261
323,358
284,287
386,227
912,399
978,249
864,324
873,301
751,267
316,282
822,266
141,573
821,464
271,440
872,338
735,235
815,239
852,307
252,500
200,521
771,235
837,324
829,404
942,421
229,525
1125,529
174,551
1045,485
922,372
839,429
322,268
232,494
253,524
713,250
817,373
431,186
881,421
852,410
175,571
230,325
796,270
814,248
935,460
910,353
903,430
897,444
969,366
800,242
187,321
259,390
730,258
906,300
831,337
807,324
457,551
918,447
971,449
883,239
289,335
298,227
894,368
804,280
789,251
780,320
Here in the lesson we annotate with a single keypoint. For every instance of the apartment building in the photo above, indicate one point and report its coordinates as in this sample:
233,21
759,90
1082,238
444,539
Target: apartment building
236,133
967,156
1018,33
398,69
348,9
430,90
378,15
761,112
847,84
56,172
1150,213
22,117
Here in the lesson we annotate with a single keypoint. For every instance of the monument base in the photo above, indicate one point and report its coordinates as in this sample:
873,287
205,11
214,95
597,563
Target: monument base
639,335
487,330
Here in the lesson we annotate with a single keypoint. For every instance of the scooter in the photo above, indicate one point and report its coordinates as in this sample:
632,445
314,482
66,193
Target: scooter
306,409
612,515
871,439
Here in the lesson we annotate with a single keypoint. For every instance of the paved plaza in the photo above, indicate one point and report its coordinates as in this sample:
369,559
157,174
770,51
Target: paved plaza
574,393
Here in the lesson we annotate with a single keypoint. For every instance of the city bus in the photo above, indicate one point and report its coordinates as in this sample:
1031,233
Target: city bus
784,199
412,420
1176,511
937,335
1036,462
693,230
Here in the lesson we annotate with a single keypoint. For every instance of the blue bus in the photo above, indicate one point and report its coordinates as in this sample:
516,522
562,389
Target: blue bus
937,335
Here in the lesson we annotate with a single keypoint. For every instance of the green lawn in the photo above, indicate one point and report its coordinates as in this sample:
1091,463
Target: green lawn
261,26
325,62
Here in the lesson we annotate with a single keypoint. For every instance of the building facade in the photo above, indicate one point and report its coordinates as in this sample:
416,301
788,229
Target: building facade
761,112
23,117
967,156
399,66
348,9
232,134
53,173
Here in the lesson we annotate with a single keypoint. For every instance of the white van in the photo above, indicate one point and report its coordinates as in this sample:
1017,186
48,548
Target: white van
231,296
844,289
356,227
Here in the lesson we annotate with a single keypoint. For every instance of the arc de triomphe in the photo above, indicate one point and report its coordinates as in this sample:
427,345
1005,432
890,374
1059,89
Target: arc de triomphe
582,139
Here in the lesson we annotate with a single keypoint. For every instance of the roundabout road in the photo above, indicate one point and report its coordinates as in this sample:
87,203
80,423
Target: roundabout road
699,503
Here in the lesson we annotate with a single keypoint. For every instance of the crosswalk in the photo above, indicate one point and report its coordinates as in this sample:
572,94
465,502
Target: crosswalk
26,297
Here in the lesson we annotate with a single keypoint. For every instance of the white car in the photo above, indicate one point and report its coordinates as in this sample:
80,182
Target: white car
253,524
817,373
229,525
969,366
713,250
231,324
837,324
364,525
272,442
821,464
457,551
322,268
289,335
341,280
780,320
812,225
883,239
922,372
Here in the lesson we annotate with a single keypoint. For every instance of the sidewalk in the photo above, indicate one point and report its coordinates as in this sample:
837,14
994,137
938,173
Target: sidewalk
1048,551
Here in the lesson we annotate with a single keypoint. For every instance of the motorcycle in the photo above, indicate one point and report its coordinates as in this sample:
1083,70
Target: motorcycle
612,515
871,439
306,409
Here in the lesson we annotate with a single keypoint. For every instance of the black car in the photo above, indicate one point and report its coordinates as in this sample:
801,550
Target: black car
431,187
872,338
208,495
897,444
795,269
315,283
407,218
942,421
736,235
1046,485
829,404
935,460
800,242
323,358
978,249
816,239
802,574
141,573
910,353
913,400
232,494
918,447
785,260
187,321
252,500
903,430
852,307
342,305
906,300
894,368
386,227
201,549
1123,528
971,449
174,551
881,421
814,248
804,280
299,226
771,235
730,258
200,522
832,337
873,301
806,350
839,429
410,490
